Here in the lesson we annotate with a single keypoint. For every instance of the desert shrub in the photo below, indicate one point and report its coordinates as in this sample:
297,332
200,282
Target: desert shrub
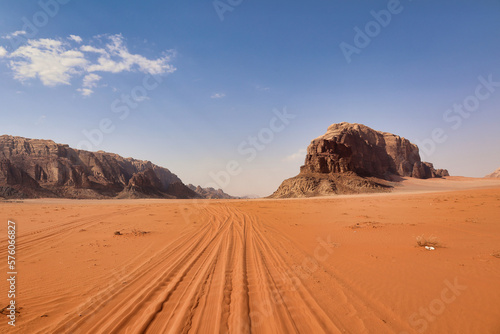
423,241
137,232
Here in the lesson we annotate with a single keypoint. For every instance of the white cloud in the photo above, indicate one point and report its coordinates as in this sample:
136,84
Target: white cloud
85,91
56,62
88,48
116,58
262,89
299,155
47,59
218,96
75,38
89,82
14,34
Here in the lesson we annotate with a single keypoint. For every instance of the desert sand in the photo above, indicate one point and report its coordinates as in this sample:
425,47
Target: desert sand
340,264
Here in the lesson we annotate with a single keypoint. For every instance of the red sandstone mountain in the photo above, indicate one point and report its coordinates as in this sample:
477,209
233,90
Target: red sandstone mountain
31,168
352,158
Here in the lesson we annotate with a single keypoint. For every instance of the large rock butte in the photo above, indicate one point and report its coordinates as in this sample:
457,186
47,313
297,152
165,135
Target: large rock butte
352,158
31,168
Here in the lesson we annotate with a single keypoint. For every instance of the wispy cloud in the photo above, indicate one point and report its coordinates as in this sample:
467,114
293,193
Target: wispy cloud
262,89
57,61
89,82
75,38
299,155
85,91
14,34
88,48
116,58
218,96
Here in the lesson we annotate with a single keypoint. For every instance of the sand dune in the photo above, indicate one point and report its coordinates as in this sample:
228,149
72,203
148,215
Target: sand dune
347,264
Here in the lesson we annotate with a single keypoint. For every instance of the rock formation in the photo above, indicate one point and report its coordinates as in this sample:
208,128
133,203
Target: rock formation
494,174
210,193
351,158
31,168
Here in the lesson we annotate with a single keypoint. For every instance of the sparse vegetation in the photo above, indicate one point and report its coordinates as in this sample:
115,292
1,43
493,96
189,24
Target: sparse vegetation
137,232
423,241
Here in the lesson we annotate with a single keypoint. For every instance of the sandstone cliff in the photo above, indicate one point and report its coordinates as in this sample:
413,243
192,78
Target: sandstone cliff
31,168
494,174
352,158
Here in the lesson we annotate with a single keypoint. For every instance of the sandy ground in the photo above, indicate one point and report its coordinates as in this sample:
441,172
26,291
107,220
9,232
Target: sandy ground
346,264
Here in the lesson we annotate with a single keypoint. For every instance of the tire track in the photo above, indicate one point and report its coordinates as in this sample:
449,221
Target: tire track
154,267
221,276
46,235
351,298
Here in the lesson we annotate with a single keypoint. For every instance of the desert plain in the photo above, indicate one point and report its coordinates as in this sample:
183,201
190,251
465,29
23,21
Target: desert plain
339,264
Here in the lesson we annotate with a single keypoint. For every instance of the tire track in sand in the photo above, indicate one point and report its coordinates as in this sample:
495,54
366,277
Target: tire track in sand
223,276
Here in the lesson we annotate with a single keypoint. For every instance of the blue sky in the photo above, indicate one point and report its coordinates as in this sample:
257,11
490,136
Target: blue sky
200,86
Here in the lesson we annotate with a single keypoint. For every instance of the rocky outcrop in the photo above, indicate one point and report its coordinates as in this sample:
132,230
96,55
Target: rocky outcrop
32,168
494,174
347,147
351,158
143,184
210,193
316,184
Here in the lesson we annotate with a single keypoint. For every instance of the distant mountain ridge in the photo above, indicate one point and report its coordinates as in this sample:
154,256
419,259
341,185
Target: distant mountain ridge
210,193
32,168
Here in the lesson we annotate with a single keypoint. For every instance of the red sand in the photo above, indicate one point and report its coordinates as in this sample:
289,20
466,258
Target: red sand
346,264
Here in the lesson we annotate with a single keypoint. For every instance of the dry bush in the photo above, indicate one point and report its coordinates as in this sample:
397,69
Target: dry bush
137,232
431,241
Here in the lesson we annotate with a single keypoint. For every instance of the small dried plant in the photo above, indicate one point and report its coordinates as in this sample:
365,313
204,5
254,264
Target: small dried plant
423,241
137,232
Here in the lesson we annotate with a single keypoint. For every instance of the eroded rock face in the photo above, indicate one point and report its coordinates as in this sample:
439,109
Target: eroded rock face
42,168
347,147
353,158
143,184
316,184
210,193
494,174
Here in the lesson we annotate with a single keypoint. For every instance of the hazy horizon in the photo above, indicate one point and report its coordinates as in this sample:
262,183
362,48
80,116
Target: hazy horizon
194,86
